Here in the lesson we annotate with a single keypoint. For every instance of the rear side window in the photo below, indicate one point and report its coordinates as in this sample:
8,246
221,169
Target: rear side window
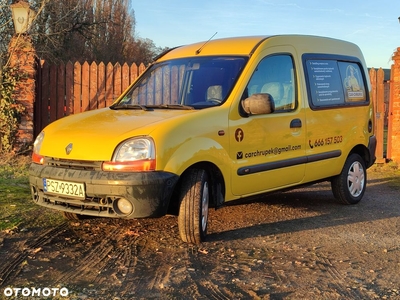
334,81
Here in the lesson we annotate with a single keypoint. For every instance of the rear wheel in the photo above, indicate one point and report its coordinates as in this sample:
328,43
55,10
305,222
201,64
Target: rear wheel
349,186
194,204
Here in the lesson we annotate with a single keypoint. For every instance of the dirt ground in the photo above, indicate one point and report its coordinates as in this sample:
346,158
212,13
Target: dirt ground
300,244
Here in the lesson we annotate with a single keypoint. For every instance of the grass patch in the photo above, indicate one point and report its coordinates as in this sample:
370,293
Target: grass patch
17,209
390,171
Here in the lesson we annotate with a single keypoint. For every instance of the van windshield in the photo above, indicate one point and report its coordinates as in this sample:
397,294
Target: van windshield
184,84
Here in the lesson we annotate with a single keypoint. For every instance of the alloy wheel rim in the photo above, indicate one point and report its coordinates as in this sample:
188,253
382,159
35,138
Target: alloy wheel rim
356,179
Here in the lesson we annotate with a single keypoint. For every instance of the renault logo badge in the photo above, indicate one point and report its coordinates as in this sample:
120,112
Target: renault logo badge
68,149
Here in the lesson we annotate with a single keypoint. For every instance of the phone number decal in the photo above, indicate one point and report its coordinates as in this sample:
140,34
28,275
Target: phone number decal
325,141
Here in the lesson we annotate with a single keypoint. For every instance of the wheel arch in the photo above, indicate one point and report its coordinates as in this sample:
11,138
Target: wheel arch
216,181
363,152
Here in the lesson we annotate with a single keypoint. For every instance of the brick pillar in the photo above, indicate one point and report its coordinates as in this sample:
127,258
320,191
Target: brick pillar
394,132
22,57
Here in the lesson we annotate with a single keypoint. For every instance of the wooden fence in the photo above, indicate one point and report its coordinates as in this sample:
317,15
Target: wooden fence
72,88
66,89
380,93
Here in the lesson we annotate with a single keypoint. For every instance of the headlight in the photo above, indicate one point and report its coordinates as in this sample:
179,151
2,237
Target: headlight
36,157
136,154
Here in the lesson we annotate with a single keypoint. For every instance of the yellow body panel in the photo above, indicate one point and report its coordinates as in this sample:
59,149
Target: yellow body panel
227,46
95,134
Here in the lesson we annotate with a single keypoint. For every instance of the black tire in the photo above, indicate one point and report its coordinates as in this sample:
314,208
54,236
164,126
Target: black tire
73,216
349,186
194,204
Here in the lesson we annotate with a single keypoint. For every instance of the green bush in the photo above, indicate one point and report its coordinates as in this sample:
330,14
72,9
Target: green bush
10,110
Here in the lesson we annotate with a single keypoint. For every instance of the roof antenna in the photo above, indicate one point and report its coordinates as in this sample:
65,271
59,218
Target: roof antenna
201,48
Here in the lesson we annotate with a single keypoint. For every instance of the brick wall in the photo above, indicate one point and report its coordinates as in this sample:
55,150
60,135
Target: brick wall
394,110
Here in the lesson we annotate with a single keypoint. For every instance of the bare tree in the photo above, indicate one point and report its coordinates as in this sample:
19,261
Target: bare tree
142,50
115,35
82,30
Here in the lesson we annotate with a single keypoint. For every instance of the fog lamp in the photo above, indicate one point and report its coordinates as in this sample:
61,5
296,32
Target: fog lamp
123,206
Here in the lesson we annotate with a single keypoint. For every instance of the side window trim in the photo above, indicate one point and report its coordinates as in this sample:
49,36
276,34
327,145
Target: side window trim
329,80
281,85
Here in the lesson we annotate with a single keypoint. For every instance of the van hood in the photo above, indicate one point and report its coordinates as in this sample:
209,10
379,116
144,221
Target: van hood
95,134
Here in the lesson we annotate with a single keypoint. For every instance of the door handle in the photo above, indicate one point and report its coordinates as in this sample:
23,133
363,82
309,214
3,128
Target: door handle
295,123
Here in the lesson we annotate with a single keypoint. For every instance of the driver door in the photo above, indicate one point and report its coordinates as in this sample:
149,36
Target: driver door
268,151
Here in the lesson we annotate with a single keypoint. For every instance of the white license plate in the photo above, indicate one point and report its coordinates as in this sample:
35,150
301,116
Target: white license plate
66,188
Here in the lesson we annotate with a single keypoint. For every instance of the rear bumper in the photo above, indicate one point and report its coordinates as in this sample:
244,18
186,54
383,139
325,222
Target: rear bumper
148,192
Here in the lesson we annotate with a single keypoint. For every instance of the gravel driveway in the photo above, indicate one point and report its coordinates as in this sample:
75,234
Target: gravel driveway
299,244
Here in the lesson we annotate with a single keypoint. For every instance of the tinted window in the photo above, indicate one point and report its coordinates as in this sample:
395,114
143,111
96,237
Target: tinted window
335,82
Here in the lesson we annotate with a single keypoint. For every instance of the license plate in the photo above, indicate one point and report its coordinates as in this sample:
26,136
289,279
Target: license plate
65,188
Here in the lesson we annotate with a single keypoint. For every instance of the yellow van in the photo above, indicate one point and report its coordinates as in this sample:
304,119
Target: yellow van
214,122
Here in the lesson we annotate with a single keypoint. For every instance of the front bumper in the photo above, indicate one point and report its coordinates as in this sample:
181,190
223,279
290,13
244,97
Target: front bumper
148,192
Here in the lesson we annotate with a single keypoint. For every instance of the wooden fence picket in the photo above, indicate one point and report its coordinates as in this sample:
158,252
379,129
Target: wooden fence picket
69,88
378,93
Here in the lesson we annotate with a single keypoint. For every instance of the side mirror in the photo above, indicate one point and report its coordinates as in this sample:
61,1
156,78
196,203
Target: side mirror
258,104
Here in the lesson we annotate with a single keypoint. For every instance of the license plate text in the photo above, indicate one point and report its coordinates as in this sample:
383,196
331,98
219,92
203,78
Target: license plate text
65,188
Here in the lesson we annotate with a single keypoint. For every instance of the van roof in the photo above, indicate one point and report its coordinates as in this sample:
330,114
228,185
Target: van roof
246,45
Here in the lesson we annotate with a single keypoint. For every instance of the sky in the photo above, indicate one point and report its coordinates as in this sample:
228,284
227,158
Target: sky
371,24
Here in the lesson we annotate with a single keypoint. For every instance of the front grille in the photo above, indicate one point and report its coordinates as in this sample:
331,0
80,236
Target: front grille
102,207
73,164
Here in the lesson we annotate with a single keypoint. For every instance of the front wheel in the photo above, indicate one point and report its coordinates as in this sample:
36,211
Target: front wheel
194,203
73,216
349,186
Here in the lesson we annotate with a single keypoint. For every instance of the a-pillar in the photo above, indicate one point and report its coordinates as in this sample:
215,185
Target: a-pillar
23,59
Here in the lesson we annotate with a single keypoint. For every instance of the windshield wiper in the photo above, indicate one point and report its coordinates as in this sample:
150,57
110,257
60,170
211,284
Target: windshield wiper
129,106
172,106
